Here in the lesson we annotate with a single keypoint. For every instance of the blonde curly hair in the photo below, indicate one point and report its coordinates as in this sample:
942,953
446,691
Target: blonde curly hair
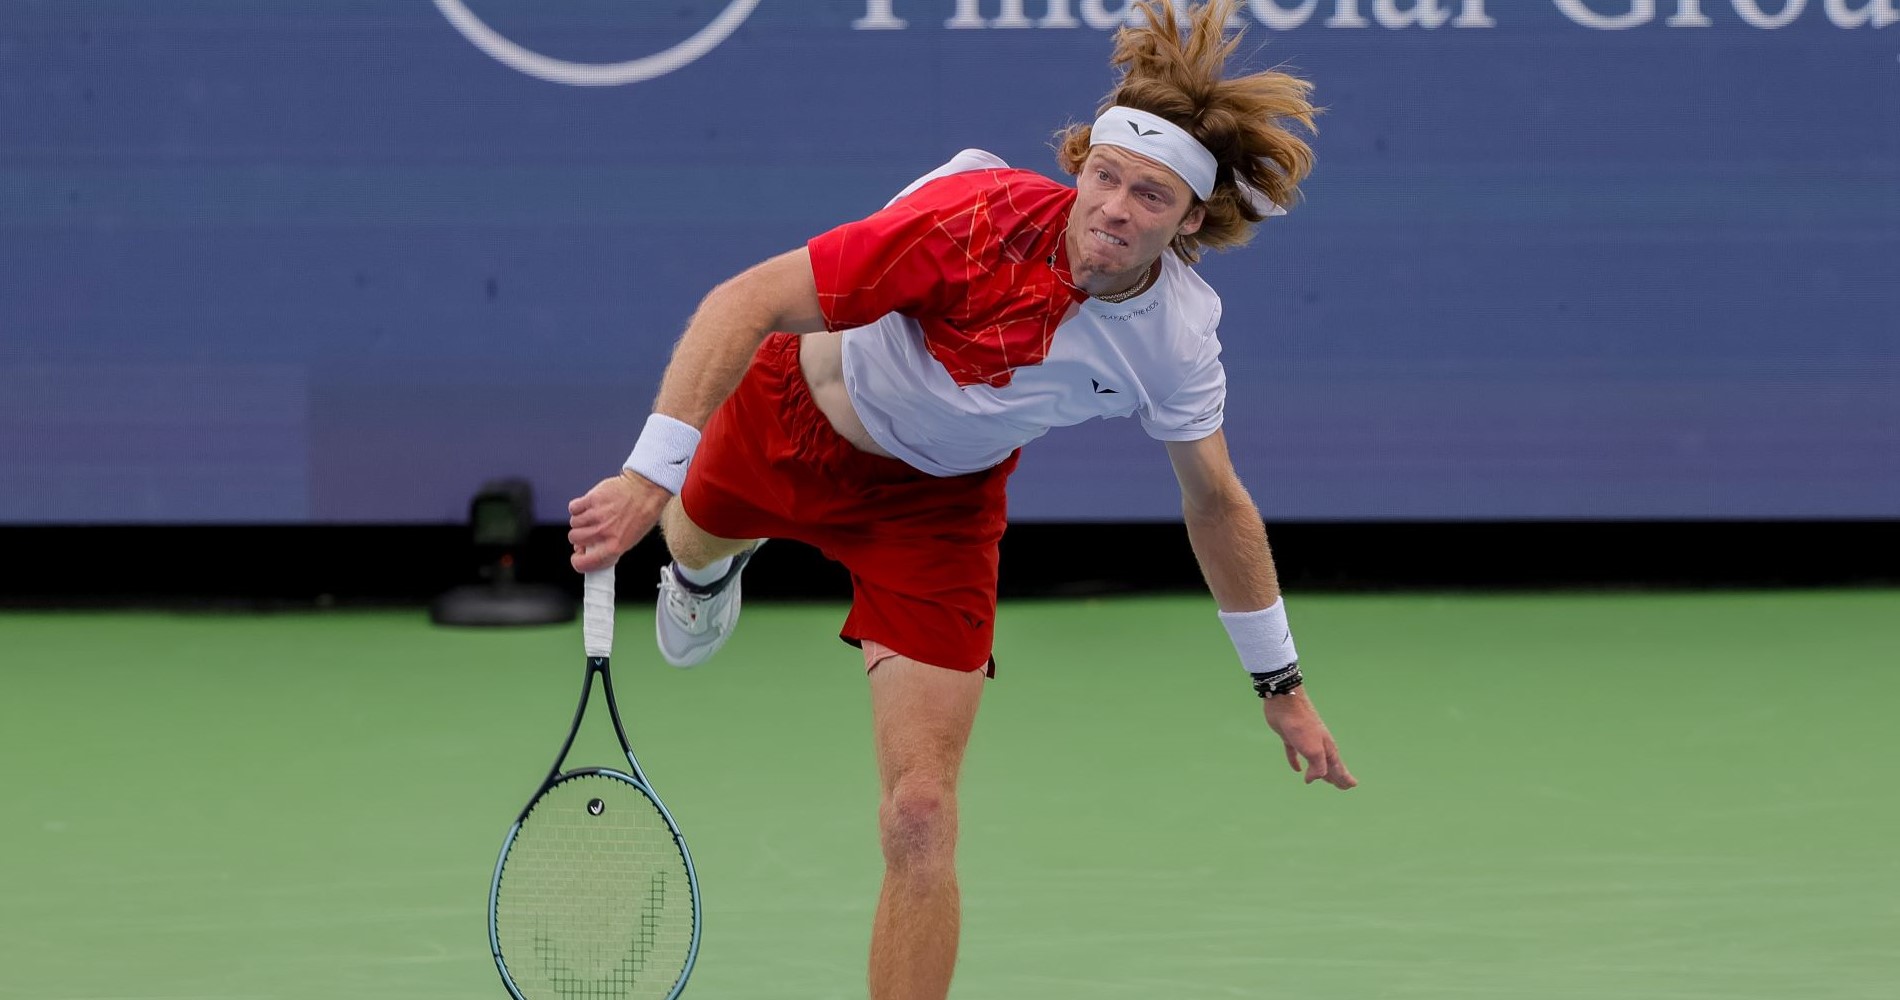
1246,122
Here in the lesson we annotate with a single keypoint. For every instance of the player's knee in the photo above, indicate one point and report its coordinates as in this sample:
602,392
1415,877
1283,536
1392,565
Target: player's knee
918,822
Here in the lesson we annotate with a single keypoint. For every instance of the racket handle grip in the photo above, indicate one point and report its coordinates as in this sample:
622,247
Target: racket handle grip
597,613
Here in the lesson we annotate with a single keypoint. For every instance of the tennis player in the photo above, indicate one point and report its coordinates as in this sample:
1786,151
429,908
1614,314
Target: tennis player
867,394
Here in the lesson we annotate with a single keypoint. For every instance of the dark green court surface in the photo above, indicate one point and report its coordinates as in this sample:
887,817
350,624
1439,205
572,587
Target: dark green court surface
1640,797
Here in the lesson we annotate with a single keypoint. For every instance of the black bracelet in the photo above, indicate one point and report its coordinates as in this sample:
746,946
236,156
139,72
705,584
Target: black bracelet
1280,682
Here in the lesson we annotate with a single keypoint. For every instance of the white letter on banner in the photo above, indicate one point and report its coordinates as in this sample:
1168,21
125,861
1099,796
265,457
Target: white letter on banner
1421,12
1879,13
1752,13
1012,16
1346,15
967,16
1473,16
878,16
1641,12
1278,18
1096,15
1058,16
1688,15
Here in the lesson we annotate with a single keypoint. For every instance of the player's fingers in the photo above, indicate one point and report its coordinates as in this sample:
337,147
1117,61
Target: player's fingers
1342,779
588,560
577,505
1315,766
1292,757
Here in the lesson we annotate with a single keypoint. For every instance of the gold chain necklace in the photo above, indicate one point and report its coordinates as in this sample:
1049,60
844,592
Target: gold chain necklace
1147,282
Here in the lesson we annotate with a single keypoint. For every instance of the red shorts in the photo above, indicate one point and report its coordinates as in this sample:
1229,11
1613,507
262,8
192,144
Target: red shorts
922,550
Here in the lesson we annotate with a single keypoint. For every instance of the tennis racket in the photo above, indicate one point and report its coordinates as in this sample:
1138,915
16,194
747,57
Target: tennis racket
594,894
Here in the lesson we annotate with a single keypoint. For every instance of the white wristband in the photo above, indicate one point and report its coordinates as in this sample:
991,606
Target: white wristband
1262,638
664,451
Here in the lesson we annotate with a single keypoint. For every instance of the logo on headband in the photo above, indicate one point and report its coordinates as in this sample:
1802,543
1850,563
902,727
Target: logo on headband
579,74
1138,130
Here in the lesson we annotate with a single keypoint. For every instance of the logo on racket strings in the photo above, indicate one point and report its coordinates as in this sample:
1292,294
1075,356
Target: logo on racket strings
579,74
624,974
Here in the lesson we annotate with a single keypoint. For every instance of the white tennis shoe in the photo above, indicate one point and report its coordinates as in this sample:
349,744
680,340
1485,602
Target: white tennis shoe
692,622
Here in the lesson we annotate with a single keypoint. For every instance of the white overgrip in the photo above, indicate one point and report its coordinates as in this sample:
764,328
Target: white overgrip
597,612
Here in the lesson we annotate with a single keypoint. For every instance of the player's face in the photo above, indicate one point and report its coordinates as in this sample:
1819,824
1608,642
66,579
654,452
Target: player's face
1127,209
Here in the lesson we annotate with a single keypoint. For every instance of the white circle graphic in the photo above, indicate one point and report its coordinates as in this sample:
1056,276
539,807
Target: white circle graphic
577,74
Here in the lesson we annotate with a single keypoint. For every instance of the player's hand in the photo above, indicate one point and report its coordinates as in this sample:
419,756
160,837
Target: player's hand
612,518
1299,727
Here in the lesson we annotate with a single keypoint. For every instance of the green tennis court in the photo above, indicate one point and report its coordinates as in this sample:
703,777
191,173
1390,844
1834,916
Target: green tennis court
1632,796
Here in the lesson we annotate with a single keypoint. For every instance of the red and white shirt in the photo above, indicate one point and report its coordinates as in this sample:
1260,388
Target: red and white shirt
963,340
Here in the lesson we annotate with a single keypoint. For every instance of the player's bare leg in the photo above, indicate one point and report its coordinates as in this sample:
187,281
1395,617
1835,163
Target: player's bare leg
691,546
921,720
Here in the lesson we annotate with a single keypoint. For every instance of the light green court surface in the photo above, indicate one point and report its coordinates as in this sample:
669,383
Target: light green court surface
1620,796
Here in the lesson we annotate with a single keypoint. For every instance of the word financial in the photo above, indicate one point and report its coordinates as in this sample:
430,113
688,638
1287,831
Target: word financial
1285,15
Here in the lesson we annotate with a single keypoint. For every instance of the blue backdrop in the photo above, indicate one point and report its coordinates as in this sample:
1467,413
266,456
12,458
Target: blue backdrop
341,260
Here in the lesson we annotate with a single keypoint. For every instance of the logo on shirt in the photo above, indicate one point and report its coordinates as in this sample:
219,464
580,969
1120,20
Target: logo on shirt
1100,388
578,74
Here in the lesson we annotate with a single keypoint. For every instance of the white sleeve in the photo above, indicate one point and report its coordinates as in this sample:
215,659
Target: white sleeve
1196,409
967,160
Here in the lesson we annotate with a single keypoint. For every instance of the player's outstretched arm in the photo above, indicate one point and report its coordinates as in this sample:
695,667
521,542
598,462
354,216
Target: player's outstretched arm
1230,542
708,361
778,295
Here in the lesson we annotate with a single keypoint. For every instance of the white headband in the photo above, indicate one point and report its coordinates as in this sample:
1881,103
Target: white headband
1171,146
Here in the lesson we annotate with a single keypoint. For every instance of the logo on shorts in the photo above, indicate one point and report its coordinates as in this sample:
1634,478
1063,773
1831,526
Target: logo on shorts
578,74
1099,387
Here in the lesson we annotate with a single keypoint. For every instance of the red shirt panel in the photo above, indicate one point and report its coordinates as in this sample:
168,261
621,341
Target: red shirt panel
975,258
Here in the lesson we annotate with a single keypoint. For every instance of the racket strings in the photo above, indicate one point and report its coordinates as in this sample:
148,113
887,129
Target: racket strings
584,896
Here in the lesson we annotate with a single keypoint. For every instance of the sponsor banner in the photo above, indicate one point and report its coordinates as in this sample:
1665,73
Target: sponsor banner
1559,259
